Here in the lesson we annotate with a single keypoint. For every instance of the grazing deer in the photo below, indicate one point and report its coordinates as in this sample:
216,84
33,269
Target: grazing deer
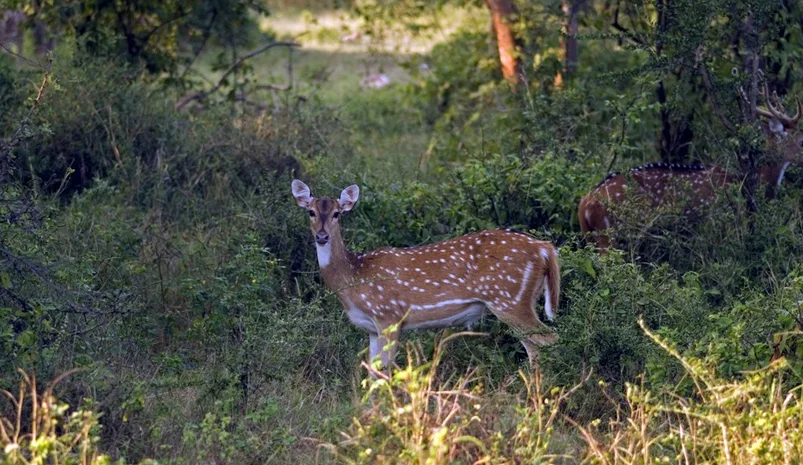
691,187
445,284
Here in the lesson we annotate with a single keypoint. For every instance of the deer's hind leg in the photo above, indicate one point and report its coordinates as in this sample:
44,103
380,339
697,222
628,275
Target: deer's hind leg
523,319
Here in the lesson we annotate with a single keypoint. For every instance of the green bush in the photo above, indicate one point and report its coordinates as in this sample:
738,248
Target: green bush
183,278
606,296
131,134
177,267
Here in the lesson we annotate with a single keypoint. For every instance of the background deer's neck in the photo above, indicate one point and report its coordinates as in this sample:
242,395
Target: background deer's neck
772,175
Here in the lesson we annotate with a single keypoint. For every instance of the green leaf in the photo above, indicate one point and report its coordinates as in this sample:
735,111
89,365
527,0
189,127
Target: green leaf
588,267
26,339
5,280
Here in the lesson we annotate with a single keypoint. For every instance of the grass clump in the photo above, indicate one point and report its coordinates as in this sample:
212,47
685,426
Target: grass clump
418,415
754,419
39,429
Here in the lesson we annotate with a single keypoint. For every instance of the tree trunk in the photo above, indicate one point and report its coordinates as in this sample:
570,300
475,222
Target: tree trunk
571,8
42,40
749,158
503,13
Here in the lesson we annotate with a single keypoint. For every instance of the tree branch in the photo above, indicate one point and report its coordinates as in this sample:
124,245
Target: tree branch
625,32
145,39
712,94
7,146
204,40
26,60
202,95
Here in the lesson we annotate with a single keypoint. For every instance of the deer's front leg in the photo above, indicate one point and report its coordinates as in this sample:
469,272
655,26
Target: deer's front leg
383,345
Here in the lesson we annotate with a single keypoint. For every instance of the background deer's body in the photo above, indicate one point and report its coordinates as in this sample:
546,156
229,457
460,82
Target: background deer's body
690,187
646,188
450,283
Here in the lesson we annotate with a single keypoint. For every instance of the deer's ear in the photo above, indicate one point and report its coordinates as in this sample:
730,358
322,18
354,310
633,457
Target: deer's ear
302,193
776,127
349,197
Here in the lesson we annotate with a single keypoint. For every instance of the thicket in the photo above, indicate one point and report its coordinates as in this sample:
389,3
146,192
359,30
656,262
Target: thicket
158,251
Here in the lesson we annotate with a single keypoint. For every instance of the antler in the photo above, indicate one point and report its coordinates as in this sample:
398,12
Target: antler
778,113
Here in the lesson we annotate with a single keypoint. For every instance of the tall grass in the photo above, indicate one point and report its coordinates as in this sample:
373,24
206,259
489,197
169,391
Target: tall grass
415,415
754,420
41,430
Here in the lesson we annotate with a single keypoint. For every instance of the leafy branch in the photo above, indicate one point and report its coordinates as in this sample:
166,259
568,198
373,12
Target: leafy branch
203,95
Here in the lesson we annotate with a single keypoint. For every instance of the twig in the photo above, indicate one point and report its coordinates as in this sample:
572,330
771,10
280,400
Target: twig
5,147
258,105
26,60
35,270
205,39
202,95
153,31
625,32
709,87
273,87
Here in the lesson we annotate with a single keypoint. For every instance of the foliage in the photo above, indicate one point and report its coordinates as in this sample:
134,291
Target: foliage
99,129
150,34
41,429
411,417
753,420
159,249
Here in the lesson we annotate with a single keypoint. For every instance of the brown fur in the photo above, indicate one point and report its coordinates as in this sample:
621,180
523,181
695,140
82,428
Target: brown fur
691,188
438,285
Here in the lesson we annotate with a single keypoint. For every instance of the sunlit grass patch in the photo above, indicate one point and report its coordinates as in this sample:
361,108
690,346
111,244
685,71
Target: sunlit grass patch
38,428
417,415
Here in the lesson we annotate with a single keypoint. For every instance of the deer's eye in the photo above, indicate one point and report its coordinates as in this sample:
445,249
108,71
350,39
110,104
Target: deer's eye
335,214
800,143
311,214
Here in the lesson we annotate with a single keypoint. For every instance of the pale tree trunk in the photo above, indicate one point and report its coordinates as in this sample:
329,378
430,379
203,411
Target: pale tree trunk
503,12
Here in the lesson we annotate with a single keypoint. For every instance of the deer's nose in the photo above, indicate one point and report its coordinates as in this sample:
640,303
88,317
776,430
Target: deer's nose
322,237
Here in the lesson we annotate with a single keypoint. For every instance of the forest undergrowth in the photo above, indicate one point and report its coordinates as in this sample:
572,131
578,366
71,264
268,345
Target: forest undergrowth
160,300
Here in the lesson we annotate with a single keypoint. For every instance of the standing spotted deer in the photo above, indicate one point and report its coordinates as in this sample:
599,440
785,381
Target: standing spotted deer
691,187
449,283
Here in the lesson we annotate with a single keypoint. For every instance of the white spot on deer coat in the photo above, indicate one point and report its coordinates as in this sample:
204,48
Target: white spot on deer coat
524,280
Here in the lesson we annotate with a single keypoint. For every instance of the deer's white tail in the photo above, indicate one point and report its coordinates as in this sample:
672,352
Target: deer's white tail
551,283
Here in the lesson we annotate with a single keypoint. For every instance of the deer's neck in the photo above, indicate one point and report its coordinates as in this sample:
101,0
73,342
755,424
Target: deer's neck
336,262
772,175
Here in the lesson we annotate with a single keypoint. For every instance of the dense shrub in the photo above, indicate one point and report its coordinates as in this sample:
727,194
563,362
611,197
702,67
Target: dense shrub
182,278
131,134
174,262
413,417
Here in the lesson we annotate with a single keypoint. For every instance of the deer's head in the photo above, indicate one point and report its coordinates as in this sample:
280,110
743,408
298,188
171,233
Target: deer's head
325,213
782,130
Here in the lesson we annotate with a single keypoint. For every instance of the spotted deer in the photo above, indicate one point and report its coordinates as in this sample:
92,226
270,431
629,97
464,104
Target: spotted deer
691,187
449,283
